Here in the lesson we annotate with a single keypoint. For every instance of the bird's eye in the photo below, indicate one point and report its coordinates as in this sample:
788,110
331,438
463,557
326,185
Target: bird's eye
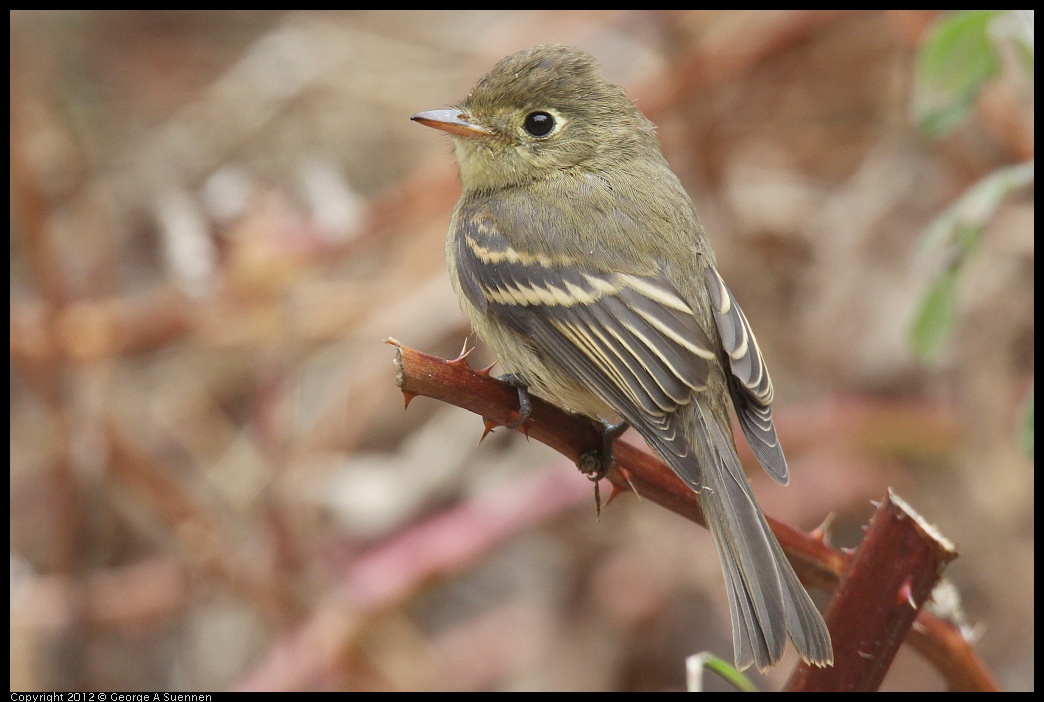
539,124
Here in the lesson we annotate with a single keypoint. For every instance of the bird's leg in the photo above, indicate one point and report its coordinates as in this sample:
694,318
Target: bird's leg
595,464
525,407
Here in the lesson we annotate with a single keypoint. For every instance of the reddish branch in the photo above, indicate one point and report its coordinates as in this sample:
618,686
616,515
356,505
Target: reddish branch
890,577
886,581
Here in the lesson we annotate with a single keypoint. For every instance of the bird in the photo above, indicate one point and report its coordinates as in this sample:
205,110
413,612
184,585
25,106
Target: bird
578,257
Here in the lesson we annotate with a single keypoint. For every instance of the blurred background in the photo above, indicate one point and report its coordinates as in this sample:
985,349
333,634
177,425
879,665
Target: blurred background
218,217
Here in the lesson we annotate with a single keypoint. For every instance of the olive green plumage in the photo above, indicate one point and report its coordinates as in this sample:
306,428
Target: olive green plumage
579,259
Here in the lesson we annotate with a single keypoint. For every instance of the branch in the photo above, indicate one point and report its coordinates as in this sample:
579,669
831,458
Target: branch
815,561
890,577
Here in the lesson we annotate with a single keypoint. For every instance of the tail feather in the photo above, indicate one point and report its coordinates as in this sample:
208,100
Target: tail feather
767,601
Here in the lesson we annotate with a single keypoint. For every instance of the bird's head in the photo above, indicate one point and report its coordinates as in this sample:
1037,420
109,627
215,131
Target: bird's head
541,110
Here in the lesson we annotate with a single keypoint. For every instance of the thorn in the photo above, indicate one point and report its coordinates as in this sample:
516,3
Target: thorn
490,425
598,501
464,353
484,372
525,429
822,532
626,475
408,396
875,503
905,593
461,361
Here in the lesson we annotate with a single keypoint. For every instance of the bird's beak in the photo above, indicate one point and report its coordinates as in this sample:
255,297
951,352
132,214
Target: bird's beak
452,121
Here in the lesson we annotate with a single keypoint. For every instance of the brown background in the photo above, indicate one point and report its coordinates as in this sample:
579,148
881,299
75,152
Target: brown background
218,217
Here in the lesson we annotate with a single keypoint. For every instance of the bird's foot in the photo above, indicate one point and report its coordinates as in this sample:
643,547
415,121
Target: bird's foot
596,464
525,407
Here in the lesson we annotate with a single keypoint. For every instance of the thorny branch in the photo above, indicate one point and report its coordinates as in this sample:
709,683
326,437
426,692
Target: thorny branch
816,562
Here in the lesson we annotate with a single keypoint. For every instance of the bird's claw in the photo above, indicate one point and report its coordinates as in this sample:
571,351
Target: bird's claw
596,464
525,406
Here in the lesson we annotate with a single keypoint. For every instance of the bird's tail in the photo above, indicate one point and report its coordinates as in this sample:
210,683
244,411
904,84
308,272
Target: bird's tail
767,601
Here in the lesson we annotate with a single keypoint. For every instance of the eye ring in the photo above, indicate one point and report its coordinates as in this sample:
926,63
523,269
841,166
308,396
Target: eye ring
539,124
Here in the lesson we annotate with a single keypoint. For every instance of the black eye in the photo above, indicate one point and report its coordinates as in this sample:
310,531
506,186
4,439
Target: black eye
539,124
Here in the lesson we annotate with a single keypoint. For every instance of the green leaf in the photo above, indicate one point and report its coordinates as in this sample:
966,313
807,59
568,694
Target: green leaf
954,235
695,665
957,58
936,317
981,201
960,224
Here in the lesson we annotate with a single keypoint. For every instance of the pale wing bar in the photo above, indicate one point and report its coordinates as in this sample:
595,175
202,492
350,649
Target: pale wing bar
749,383
632,339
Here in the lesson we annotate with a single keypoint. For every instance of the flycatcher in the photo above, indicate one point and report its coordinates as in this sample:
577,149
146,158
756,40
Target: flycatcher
579,259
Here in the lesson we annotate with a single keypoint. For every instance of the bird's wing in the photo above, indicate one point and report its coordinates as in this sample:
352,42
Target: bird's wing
632,339
749,382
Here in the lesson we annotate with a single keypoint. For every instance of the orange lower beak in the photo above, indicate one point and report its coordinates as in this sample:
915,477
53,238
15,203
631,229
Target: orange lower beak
452,121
